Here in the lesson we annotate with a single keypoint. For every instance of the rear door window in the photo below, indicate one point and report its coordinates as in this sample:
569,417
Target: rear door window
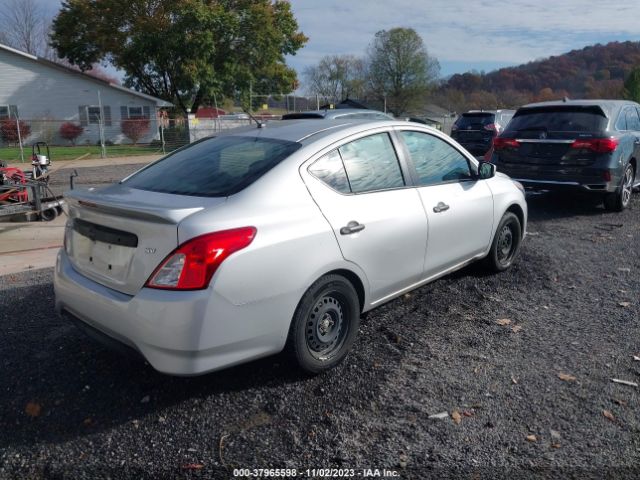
215,167
474,121
371,164
633,122
557,119
330,170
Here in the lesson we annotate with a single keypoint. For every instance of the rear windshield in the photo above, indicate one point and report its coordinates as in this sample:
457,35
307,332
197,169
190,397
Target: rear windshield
558,119
214,167
474,120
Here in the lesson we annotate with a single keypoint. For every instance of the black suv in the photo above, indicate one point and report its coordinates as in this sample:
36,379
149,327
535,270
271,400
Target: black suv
591,145
476,129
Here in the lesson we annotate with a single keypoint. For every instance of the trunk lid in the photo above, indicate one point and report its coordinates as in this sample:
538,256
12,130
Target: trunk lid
117,236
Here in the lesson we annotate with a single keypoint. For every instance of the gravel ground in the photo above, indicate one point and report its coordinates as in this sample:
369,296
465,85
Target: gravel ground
489,350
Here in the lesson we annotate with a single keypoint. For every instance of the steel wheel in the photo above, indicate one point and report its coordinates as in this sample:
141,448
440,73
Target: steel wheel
325,324
506,243
326,328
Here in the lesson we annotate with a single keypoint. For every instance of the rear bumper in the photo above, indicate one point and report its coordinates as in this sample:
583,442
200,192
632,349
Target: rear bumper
565,178
178,333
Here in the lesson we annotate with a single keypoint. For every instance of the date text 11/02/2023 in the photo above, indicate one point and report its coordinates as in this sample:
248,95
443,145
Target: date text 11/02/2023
315,472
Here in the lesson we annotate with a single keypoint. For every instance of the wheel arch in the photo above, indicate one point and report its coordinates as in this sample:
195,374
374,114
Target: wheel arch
518,212
354,279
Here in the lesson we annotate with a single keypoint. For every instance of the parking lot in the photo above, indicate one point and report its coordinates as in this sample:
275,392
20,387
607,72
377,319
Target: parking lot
521,362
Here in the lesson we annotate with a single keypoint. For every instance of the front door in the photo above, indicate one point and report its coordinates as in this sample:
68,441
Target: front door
459,208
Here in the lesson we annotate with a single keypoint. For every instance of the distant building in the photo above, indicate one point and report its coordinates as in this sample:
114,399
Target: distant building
45,94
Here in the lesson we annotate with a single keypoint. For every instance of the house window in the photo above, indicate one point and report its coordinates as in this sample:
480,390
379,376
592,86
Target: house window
93,115
4,112
135,113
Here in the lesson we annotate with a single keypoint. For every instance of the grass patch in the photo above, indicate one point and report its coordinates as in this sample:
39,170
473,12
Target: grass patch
12,154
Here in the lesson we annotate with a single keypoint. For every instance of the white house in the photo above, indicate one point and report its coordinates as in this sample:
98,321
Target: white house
45,95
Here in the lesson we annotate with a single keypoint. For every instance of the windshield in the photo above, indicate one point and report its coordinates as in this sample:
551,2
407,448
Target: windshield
214,167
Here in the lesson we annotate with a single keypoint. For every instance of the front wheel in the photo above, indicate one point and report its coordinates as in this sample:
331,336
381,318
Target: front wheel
506,243
620,199
325,324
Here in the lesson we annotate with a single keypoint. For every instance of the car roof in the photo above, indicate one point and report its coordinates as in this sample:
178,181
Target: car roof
609,107
303,131
333,113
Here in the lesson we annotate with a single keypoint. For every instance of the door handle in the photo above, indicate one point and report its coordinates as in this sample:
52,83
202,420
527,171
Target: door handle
440,207
352,227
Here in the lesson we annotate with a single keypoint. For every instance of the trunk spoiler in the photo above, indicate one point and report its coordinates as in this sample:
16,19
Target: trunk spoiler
142,205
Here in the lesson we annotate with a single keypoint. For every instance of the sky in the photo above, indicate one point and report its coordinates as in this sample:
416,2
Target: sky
462,34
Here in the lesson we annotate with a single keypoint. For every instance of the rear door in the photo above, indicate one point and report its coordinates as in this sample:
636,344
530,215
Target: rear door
458,207
378,221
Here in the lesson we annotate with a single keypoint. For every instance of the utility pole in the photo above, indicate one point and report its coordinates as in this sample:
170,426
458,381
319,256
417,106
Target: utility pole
103,151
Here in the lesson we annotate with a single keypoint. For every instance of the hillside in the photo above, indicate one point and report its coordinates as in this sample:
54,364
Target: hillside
594,71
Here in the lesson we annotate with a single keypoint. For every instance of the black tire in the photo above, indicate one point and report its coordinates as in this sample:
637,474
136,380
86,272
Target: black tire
619,200
325,324
506,243
49,214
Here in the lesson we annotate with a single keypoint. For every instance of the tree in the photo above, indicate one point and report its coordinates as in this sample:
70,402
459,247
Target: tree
70,131
631,90
184,51
336,77
25,25
9,130
135,128
400,70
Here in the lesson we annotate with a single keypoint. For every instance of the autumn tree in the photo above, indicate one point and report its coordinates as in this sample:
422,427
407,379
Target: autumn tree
631,90
184,51
135,128
336,77
70,131
400,70
9,131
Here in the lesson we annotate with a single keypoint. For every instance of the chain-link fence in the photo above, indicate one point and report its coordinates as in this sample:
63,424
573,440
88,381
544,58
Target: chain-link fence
73,140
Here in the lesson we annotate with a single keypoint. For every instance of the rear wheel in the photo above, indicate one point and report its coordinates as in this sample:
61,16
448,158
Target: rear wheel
506,243
325,324
620,199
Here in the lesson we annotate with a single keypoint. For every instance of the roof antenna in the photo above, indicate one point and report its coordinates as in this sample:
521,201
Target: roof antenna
258,122
565,99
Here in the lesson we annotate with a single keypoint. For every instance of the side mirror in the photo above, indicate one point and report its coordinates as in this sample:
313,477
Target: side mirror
486,170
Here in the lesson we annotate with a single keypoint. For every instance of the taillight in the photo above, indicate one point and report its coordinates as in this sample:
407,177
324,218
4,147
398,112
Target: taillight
598,145
491,126
192,264
500,143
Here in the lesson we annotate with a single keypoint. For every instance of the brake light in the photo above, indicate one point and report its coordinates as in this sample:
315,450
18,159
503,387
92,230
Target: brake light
492,127
598,145
500,143
192,264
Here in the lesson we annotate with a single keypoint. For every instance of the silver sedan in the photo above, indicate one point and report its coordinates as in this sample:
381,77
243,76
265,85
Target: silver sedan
264,239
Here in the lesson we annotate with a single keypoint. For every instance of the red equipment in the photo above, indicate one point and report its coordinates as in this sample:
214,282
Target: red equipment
15,180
